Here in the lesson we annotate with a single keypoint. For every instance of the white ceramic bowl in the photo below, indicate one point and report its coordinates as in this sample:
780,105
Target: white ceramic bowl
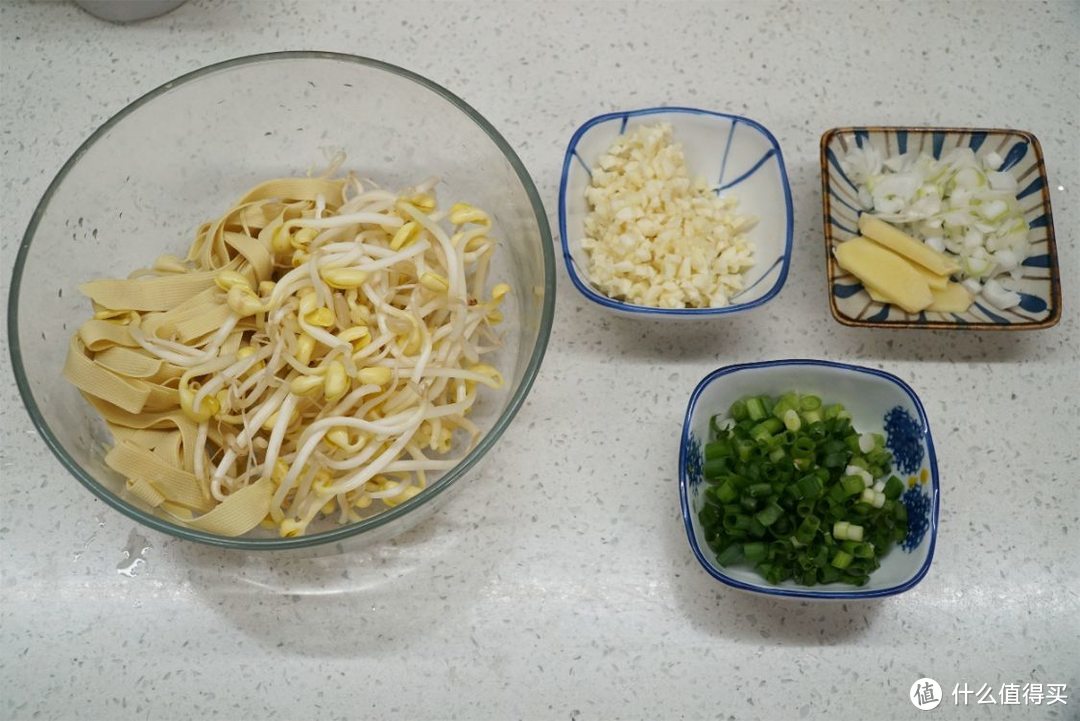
878,403
737,155
126,11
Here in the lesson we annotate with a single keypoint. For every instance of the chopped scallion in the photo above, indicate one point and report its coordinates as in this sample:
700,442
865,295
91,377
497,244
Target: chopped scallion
796,493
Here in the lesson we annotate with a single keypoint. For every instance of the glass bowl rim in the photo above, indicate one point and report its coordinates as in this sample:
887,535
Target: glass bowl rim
352,529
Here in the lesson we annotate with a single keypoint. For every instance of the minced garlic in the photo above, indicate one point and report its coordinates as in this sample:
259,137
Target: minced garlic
655,237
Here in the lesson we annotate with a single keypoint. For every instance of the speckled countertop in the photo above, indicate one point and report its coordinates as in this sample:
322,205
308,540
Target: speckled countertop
558,583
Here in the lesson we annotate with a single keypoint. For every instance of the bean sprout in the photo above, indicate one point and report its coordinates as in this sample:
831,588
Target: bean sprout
340,376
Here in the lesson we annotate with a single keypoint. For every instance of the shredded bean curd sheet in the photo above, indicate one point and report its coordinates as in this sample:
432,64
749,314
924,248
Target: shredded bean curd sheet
314,356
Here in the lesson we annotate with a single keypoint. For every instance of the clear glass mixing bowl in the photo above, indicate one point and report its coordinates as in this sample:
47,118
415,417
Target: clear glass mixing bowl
139,186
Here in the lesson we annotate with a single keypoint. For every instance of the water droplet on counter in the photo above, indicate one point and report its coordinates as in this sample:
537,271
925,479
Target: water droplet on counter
93,536
134,556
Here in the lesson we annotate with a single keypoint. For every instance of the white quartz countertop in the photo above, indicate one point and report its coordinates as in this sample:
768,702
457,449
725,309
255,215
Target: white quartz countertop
558,583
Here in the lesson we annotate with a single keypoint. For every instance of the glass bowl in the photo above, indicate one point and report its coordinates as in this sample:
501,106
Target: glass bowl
139,186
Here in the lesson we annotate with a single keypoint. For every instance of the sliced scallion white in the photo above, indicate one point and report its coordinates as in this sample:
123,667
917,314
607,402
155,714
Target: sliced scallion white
958,204
998,296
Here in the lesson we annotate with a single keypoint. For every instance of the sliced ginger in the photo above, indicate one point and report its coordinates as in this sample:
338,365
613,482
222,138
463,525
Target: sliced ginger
889,274
899,270
900,242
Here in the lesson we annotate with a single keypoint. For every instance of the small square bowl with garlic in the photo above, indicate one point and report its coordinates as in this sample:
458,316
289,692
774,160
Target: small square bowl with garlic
675,212
956,222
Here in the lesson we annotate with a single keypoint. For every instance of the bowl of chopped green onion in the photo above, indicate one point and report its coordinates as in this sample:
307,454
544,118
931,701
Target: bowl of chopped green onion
809,479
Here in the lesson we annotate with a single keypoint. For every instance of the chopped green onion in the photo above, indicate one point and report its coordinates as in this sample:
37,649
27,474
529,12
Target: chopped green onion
718,449
852,484
834,460
782,527
809,487
837,494
827,574
817,431
755,528
791,420
862,550
893,488
769,515
755,409
730,555
791,492
841,560
773,425
738,411
726,493
808,529
714,468
803,447
708,515
759,490
736,521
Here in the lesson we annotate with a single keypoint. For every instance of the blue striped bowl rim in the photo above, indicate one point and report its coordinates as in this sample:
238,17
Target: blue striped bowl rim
783,261
938,135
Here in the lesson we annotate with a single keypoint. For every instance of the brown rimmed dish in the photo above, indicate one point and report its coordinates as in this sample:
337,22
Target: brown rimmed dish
1021,153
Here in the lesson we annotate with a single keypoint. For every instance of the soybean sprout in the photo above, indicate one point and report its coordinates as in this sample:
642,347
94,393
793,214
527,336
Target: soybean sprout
316,354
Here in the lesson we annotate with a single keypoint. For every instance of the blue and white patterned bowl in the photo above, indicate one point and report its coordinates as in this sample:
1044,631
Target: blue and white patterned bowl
879,403
739,155
1040,286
